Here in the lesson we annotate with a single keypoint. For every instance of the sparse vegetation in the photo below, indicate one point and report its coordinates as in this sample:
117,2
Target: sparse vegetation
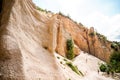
61,62
67,16
103,67
101,37
40,9
43,10
58,57
115,61
80,24
74,68
115,46
65,59
113,66
70,54
60,13
92,34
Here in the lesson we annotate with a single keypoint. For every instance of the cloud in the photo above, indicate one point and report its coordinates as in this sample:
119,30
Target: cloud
91,13
106,25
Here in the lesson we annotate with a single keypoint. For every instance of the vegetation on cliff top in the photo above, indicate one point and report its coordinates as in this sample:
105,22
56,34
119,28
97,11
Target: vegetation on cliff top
92,34
101,37
43,10
115,46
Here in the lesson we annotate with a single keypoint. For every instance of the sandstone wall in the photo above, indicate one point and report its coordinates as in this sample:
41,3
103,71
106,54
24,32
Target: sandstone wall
83,39
29,38
25,41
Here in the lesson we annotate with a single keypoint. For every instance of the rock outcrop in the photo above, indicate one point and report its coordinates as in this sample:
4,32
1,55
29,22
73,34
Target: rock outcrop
26,43
86,39
29,38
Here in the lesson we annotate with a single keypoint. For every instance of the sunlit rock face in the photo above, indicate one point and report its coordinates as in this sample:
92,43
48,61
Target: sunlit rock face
86,39
26,43
29,38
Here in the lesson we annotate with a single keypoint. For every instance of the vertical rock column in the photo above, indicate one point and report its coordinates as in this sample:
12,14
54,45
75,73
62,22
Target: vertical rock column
52,30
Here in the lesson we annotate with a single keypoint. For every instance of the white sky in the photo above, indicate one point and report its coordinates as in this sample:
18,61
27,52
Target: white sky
103,15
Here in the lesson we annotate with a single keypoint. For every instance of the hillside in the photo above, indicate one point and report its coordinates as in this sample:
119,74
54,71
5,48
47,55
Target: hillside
29,39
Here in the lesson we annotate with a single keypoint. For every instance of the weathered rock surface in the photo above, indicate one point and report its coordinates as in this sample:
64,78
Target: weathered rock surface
24,39
82,37
29,38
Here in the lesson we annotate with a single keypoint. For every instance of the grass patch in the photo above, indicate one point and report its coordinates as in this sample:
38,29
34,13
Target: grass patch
74,68
43,10
58,57
65,59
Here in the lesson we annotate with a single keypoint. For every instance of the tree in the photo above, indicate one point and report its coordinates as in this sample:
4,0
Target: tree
70,53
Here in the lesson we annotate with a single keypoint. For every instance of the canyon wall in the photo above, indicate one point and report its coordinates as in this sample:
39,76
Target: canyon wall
29,38
87,40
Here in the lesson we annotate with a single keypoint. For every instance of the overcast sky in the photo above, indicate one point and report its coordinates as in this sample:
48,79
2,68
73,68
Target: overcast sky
103,15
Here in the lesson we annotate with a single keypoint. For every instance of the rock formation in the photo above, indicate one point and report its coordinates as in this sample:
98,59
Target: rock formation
24,36
86,39
29,38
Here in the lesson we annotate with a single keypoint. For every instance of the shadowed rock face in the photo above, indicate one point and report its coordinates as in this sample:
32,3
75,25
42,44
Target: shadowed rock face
29,38
1,5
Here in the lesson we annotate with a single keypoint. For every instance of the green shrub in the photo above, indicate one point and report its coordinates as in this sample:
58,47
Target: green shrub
118,44
115,61
92,34
74,68
113,65
43,10
114,46
103,67
70,53
104,38
40,9
65,59
58,57
60,13
67,16
101,37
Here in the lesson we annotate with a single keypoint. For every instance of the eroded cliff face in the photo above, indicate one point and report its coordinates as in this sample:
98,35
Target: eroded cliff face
29,38
86,39
26,43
